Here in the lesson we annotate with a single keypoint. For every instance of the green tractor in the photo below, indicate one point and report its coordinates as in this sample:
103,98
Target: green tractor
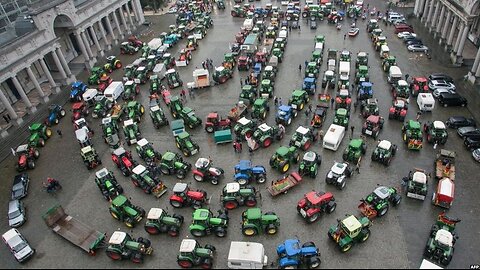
341,117
238,11
248,95
269,73
264,135
369,107
189,117
158,116
146,151
95,74
440,244
384,152
130,90
412,135
244,128
131,131
303,138
299,99
283,158
123,210
129,72
310,163
379,41
317,57
127,48
108,185
278,53
401,90
147,181
173,79
205,223
345,56
175,106
151,62
436,132
122,246
102,106
229,61
186,145
376,204
362,75
90,157
145,50
354,151
260,108
329,79
254,222
134,111
349,231
222,74
39,133
155,85
141,75
172,163
362,59
388,62
233,196
266,88
112,64
312,70
159,221
191,254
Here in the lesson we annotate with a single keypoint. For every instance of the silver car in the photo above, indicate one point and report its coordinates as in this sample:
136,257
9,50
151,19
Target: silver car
476,154
16,214
437,84
437,92
18,245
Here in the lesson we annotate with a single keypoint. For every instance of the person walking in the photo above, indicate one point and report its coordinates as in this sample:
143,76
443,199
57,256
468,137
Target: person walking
419,113
355,105
183,93
5,117
306,64
275,101
310,108
344,36
332,100
59,132
241,83
352,128
279,101
406,77
300,68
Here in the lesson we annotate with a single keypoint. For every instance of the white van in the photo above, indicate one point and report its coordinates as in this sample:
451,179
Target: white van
114,90
395,17
89,96
248,24
334,136
246,255
283,34
394,75
425,102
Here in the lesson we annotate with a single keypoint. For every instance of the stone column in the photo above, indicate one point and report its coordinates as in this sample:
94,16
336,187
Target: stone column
440,21
452,32
435,17
129,15
138,7
463,39
59,65
425,11
36,84
95,40
87,45
104,35
49,76
124,21
477,72
71,78
430,13
445,27
79,39
135,11
110,29
10,110
459,37
418,7
115,19
476,63
25,99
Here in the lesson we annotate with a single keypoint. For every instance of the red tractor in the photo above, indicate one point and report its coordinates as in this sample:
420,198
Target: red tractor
419,85
79,110
214,122
260,57
314,203
124,161
26,157
398,109
105,81
166,96
183,196
135,42
244,62
239,38
372,126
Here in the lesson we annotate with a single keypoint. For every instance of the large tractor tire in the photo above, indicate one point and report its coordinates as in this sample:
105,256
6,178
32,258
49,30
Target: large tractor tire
366,234
382,212
114,255
249,231
230,205
271,229
198,233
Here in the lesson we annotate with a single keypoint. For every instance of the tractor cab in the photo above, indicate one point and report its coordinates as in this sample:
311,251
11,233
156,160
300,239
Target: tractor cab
192,43
343,100
362,74
373,125
311,70
345,56
191,253
269,73
266,88
351,226
362,59
445,193
182,190
401,90
310,158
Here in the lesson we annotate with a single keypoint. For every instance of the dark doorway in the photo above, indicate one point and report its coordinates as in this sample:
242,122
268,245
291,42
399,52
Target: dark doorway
13,89
75,44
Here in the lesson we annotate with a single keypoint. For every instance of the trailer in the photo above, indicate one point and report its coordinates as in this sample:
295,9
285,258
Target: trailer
237,112
201,79
344,70
283,185
117,111
223,136
73,230
445,164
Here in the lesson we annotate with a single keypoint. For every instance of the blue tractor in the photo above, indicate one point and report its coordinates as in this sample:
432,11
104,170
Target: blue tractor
260,12
365,90
55,112
293,255
257,69
78,88
309,85
245,173
285,114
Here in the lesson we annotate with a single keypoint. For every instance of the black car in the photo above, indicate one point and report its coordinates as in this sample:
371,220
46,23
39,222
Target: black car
472,143
440,76
415,41
460,121
452,99
469,131
20,186
408,38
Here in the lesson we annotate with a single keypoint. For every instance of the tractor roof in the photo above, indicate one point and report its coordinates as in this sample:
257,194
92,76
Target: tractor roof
382,192
444,237
232,187
128,83
420,79
298,93
139,169
244,165
201,214
187,110
155,108
310,156
170,70
155,213
254,213
292,247
351,223
259,102
119,151
268,68
356,143
264,127
366,84
285,108
77,105
399,103
438,125
125,43
212,115
180,187
22,148
247,87
117,238
128,122
315,197
344,93
312,64
402,83
119,200
342,111
150,57
373,119
141,68
183,135
202,163
302,130
309,79
362,54
363,68
419,177
219,69
188,245
282,151
413,124
86,149
266,81
244,121
338,168
446,187
168,156
101,173
317,53
142,142
385,145
329,72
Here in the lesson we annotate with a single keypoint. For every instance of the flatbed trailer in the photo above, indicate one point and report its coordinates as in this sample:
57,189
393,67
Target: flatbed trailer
445,165
73,230
283,185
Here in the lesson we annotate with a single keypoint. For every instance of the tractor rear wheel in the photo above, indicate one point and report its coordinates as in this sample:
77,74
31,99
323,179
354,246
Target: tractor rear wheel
152,230
114,255
198,233
249,231
185,264
346,247
230,205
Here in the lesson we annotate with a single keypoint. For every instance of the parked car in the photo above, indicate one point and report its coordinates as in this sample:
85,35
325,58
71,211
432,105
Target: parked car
472,143
408,38
16,214
414,41
440,76
437,92
403,35
454,99
476,154
18,245
460,121
469,131
20,186
436,84
417,48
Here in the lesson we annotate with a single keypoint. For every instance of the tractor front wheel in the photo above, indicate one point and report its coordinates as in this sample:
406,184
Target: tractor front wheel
261,179
383,211
176,204
207,264
220,232
250,202
198,233
180,174
137,258
346,247
313,218
249,231
129,223
314,263
271,229
366,235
